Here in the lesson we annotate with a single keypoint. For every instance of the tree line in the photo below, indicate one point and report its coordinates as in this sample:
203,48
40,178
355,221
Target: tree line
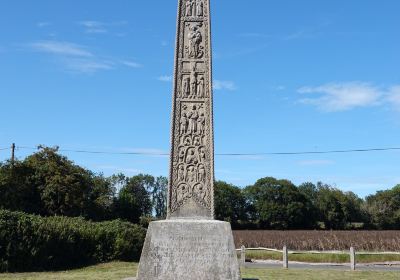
47,183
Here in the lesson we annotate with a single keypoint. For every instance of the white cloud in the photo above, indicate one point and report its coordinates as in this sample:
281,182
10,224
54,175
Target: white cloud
87,65
93,26
165,78
61,48
43,24
315,162
334,97
224,85
342,96
394,96
131,64
78,58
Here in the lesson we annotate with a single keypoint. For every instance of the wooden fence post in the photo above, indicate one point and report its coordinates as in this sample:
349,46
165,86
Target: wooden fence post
243,256
285,257
352,258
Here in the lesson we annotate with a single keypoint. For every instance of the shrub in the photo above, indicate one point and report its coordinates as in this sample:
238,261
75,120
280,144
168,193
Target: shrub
34,243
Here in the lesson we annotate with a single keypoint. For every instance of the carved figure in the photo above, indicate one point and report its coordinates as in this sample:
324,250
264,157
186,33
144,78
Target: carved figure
193,7
191,157
191,174
193,116
193,83
202,154
197,141
200,191
201,124
181,154
182,192
199,8
200,87
186,87
184,123
181,173
202,173
195,39
189,8
187,141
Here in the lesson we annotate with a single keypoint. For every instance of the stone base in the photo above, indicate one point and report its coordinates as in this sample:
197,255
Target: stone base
189,250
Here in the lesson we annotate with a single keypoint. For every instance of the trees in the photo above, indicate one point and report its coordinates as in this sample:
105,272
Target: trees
335,208
63,186
49,184
101,199
279,204
133,200
17,191
330,208
230,203
159,195
384,208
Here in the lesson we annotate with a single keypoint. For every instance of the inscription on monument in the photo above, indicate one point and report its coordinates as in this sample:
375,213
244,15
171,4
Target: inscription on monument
201,246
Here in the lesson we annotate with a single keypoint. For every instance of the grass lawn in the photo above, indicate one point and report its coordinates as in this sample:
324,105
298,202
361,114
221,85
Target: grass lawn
296,274
120,270
319,258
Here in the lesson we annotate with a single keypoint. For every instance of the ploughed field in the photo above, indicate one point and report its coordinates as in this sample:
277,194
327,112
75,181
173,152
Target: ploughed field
308,240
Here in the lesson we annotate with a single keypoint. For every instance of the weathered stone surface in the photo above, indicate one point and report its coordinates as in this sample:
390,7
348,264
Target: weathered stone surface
189,250
191,180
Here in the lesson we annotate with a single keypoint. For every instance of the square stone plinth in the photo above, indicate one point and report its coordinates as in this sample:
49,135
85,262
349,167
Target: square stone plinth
189,250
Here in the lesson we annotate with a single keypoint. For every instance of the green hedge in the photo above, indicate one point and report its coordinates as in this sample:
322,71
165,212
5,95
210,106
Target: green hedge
34,243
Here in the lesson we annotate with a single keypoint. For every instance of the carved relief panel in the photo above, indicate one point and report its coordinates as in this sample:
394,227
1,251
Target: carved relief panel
194,40
193,85
194,8
191,161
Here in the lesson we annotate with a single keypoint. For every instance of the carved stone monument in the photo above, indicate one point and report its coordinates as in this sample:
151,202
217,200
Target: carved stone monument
190,244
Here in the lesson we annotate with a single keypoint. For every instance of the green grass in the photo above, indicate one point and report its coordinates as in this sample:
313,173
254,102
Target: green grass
108,271
319,258
121,270
298,274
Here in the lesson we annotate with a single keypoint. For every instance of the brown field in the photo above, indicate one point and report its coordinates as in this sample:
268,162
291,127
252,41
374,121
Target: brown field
320,240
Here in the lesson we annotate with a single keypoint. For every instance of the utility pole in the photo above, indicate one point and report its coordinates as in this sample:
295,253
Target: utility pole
12,153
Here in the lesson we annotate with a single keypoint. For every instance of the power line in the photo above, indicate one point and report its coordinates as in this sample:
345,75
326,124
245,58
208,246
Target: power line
3,149
317,152
230,154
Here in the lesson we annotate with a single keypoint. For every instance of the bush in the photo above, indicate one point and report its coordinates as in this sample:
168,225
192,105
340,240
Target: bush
34,243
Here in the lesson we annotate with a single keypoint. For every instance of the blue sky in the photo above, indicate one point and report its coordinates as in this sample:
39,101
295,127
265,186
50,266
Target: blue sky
288,76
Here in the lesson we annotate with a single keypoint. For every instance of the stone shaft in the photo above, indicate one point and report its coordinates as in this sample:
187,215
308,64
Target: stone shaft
191,190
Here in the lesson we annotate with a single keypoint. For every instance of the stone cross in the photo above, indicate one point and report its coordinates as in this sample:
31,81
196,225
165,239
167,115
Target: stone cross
191,193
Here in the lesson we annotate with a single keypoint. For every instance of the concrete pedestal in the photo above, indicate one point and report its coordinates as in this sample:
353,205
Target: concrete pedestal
189,250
